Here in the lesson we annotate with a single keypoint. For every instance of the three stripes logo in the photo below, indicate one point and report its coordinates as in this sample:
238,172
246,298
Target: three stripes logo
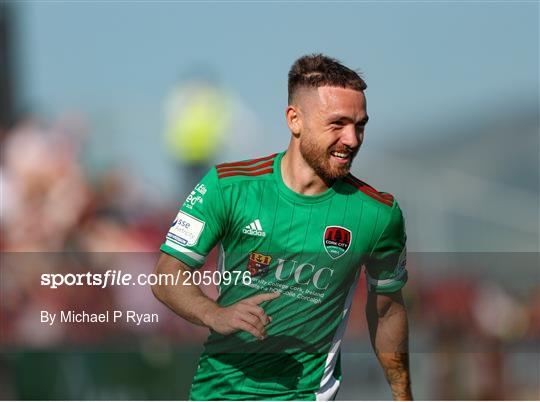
254,229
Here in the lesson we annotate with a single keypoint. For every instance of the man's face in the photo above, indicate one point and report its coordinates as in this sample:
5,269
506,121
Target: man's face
332,129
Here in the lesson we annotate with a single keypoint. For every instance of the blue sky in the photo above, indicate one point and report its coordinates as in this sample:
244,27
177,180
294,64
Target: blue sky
424,62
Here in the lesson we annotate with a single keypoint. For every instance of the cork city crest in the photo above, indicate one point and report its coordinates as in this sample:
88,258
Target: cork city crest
336,240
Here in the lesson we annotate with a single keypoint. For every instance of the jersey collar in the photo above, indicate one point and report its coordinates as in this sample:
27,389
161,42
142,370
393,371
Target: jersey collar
293,195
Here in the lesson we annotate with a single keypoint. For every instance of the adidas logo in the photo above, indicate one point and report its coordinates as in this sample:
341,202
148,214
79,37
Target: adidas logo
254,229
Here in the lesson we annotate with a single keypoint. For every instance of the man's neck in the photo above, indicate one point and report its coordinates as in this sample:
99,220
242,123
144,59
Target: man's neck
299,176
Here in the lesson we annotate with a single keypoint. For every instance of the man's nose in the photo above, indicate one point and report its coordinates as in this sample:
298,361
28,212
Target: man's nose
350,137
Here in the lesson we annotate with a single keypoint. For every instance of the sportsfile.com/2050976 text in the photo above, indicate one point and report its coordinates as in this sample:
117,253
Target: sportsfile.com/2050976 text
114,277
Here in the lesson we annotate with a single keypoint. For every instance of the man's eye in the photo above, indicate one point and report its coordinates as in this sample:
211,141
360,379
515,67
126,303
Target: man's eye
337,123
359,128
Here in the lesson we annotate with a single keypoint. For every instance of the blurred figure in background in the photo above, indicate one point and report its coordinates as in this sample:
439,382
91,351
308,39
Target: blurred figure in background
44,190
197,116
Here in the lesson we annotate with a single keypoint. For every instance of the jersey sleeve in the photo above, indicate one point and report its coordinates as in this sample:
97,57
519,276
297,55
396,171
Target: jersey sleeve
386,265
199,225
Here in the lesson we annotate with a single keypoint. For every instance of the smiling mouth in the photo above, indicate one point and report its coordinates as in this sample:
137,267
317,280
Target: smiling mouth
341,155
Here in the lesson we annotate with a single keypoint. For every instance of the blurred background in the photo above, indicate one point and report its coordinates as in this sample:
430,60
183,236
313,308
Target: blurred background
104,130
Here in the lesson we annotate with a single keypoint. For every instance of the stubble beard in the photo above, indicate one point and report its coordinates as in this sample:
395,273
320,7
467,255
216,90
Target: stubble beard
319,160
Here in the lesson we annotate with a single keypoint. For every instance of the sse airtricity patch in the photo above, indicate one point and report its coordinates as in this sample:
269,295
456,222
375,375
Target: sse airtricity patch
185,229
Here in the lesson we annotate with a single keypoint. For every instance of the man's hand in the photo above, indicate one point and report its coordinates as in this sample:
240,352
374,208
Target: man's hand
246,315
189,302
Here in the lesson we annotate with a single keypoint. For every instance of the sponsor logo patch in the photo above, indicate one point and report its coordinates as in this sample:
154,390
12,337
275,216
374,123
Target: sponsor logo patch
201,188
196,196
258,264
185,229
336,240
192,200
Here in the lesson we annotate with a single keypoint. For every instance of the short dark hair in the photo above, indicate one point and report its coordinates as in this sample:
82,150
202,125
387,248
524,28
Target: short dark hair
317,70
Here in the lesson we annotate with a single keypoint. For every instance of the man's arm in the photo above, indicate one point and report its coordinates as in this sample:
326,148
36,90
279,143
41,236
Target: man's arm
388,329
189,302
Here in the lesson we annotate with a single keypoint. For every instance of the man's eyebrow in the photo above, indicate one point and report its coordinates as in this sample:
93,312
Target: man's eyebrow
364,121
339,117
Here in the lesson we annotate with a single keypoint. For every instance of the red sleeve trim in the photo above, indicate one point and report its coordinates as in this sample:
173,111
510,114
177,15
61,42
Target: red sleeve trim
235,173
245,163
385,198
244,169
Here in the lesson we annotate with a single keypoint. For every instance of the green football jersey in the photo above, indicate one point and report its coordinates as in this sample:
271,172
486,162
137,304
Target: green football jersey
310,249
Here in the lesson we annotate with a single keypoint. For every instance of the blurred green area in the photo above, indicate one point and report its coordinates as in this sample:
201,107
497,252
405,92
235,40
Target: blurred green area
97,375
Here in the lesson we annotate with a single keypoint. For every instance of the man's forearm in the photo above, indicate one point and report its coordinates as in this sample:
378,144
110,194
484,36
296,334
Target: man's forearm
396,370
389,336
188,301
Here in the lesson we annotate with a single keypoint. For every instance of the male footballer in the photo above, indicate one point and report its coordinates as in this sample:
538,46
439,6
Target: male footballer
294,228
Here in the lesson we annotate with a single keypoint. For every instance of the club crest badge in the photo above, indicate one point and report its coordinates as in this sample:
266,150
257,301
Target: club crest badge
336,240
258,264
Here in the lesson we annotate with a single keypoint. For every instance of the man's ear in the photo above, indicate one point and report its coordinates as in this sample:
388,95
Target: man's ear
294,119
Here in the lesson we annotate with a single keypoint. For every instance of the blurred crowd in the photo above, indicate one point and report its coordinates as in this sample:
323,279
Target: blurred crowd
50,203
56,216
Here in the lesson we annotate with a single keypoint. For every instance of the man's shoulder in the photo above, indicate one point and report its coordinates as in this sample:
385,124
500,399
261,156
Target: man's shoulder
249,169
364,190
